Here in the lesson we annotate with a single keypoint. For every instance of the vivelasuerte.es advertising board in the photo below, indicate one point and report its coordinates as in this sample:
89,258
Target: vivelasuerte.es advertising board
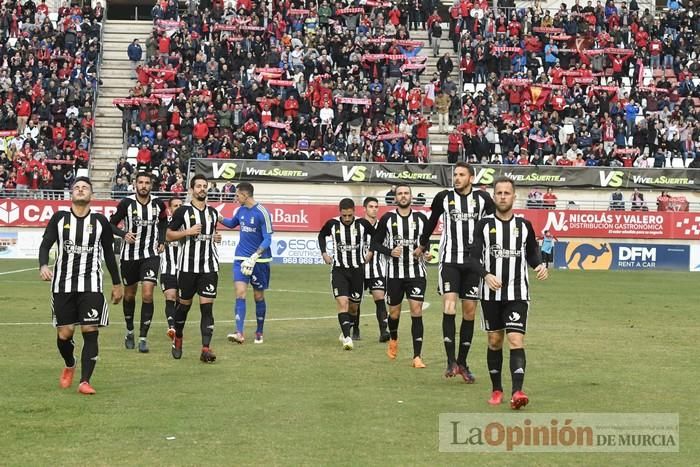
596,255
441,174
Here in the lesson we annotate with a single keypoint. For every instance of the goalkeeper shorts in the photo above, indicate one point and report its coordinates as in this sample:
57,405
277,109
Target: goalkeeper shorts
260,279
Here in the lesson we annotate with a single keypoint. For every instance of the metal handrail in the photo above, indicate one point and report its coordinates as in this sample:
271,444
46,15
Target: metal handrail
96,94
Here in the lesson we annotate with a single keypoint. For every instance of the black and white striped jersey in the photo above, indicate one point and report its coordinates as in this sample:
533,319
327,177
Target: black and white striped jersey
376,267
505,249
405,231
146,221
168,259
197,254
459,213
350,242
83,242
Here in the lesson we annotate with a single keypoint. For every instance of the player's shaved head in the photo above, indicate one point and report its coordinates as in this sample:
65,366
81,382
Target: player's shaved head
346,203
246,188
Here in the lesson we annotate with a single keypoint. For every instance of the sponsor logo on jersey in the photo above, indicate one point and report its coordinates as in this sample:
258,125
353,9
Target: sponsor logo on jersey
71,248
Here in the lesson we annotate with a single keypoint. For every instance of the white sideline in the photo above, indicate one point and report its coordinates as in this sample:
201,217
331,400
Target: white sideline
426,305
19,270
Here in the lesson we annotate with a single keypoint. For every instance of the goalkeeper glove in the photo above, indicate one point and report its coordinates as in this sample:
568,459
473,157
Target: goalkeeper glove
248,264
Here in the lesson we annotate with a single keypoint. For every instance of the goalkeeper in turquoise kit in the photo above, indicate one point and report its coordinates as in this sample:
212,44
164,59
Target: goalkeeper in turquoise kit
252,259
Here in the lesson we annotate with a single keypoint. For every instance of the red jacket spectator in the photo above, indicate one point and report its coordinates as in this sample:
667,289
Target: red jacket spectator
24,108
291,107
422,128
414,99
420,151
642,38
250,127
21,167
164,45
82,155
454,142
59,134
200,130
143,157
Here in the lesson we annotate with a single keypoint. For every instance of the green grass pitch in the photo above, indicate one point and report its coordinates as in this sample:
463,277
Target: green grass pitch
598,342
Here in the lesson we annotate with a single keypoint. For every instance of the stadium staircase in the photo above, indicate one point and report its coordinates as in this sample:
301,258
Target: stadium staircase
438,140
116,82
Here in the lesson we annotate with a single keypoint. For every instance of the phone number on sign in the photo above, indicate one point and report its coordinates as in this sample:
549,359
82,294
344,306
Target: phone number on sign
302,260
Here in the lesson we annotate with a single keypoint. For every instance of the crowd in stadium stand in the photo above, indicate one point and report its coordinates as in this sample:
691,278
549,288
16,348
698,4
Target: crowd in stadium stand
582,86
48,81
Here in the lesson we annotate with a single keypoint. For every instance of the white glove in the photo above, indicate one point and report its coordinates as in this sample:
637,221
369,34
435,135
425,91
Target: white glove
248,264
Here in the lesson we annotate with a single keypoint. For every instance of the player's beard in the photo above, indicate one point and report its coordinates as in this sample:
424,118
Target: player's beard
201,196
504,208
403,205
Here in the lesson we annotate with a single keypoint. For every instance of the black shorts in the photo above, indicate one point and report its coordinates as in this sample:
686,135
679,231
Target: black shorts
140,270
84,308
168,281
203,284
348,283
547,257
459,279
413,289
378,283
511,316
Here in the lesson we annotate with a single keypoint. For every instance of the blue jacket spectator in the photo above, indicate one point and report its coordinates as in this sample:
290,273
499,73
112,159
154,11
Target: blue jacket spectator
134,51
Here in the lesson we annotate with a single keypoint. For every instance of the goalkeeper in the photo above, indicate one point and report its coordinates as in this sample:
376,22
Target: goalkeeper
252,259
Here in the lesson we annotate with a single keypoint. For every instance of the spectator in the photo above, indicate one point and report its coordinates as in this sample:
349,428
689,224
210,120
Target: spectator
549,199
581,94
228,191
442,106
547,247
617,201
637,201
120,188
213,192
390,196
144,158
135,52
534,199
